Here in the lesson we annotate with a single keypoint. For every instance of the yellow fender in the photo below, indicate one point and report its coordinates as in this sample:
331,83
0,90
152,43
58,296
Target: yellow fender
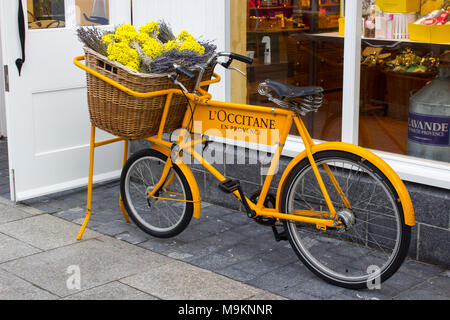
196,199
398,184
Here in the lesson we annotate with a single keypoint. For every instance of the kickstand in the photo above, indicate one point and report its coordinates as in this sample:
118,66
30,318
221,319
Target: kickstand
279,236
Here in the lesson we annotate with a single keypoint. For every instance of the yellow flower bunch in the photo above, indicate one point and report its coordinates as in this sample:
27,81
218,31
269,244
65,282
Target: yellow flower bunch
125,33
124,54
151,28
119,49
185,41
133,48
149,45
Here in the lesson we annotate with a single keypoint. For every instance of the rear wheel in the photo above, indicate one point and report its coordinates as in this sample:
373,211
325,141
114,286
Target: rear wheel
375,240
170,212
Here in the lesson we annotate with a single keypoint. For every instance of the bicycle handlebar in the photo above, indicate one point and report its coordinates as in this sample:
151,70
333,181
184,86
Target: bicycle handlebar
234,56
200,68
184,71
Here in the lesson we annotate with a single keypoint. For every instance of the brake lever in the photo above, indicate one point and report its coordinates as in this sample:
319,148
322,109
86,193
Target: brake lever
240,71
174,79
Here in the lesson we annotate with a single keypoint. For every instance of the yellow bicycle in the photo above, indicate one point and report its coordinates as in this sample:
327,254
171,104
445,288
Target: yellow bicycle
345,212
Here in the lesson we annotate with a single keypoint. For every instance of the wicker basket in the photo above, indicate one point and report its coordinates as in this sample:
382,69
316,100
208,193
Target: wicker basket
127,116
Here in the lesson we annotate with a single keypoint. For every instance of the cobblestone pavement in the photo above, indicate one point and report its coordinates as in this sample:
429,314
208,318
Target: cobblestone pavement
227,243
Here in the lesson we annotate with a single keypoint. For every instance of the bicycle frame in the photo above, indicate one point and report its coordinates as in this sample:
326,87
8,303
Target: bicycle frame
272,119
215,116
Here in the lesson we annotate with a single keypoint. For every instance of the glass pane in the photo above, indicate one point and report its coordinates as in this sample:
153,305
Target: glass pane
92,12
405,104
298,43
46,14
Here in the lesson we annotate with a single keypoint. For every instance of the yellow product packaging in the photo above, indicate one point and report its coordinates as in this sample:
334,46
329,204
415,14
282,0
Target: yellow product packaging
428,6
398,6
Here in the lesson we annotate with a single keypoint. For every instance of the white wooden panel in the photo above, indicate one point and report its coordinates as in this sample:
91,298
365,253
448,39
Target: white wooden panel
2,96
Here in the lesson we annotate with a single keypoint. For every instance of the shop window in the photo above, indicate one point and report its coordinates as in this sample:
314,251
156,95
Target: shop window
294,42
92,12
404,107
46,14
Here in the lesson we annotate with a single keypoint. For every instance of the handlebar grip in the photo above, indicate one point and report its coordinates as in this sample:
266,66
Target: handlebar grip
241,58
182,70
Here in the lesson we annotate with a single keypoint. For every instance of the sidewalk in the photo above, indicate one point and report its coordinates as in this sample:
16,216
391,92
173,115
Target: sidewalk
221,256
39,253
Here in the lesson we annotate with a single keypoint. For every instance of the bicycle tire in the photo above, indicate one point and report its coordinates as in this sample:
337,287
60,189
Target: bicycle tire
145,217
340,245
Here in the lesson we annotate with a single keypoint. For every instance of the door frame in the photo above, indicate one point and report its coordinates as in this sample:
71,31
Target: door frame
2,92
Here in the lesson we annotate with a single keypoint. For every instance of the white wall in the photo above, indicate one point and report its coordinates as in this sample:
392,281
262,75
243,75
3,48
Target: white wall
205,19
2,95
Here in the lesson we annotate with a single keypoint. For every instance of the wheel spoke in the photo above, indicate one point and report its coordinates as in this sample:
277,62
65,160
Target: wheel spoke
159,215
343,255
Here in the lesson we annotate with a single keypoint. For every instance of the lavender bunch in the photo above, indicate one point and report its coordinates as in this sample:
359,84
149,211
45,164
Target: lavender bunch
165,32
164,63
92,38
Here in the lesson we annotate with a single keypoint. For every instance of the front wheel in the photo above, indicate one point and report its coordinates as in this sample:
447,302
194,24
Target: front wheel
170,211
375,240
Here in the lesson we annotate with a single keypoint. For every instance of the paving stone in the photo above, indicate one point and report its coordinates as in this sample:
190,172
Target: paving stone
241,251
213,261
281,254
267,296
257,265
200,248
181,281
191,233
134,237
226,238
214,226
295,294
432,289
42,203
237,218
420,270
282,278
315,288
100,261
72,214
111,291
161,245
182,256
114,227
9,213
236,274
44,231
11,248
14,288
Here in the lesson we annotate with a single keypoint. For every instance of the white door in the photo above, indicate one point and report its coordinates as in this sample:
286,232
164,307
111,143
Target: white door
46,106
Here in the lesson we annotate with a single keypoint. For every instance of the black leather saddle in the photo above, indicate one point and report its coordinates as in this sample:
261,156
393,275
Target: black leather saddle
290,92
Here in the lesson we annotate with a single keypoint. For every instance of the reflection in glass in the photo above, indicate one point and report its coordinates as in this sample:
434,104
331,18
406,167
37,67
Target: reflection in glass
403,109
297,42
92,12
45,14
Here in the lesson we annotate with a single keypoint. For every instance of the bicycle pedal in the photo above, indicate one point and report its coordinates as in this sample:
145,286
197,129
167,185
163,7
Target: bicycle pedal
229,186
279,236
